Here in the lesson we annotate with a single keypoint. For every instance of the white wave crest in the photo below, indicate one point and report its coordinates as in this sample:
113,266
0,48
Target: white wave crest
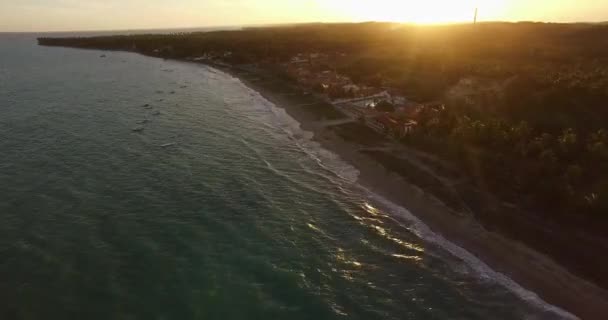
347,173
479,268
304,141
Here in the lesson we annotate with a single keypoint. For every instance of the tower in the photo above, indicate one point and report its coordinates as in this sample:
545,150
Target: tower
475,17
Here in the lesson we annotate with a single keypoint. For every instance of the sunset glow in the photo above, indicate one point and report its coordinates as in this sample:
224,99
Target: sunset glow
54,15
429,11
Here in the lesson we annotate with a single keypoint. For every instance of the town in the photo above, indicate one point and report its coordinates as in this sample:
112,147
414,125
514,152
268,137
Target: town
381,108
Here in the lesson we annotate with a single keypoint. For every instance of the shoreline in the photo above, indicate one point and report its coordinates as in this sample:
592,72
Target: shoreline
526,267
529,268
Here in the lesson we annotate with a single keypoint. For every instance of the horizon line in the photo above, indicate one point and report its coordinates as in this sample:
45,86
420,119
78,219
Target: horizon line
269,25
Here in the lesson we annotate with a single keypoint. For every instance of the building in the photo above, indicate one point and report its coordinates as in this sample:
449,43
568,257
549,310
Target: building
391,126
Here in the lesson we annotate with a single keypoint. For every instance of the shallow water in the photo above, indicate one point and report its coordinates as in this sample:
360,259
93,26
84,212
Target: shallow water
239,216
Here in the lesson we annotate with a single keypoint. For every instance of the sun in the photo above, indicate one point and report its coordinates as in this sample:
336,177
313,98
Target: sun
416,11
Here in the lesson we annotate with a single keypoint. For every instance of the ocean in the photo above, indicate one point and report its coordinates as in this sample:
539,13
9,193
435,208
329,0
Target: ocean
140,188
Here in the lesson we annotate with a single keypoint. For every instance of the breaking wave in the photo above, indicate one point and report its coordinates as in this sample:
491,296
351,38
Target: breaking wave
343,172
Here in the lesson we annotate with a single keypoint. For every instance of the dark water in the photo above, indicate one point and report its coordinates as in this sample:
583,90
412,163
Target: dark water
243,218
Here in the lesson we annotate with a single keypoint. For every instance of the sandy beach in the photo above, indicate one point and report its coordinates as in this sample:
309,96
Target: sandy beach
532,270
418,191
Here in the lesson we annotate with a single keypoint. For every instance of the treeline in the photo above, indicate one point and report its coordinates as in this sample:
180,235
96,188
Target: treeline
559,173
526,104
535,139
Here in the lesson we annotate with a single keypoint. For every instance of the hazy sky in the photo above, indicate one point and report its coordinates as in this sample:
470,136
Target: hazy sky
54,15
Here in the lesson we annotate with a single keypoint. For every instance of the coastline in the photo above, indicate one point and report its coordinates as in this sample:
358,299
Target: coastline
526,267
534,271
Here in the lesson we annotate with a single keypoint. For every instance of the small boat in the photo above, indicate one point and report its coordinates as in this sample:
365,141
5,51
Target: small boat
167,145
102,56
143,121
138,129
156,113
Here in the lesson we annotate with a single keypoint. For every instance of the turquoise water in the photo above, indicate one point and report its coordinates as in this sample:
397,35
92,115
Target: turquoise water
239,216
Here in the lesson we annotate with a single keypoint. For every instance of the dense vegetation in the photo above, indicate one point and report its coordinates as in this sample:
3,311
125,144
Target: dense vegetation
525,114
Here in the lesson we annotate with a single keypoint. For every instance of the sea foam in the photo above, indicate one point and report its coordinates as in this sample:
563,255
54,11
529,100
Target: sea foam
346,173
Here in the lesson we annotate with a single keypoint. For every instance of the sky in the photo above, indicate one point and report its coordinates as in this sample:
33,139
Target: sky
85,15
